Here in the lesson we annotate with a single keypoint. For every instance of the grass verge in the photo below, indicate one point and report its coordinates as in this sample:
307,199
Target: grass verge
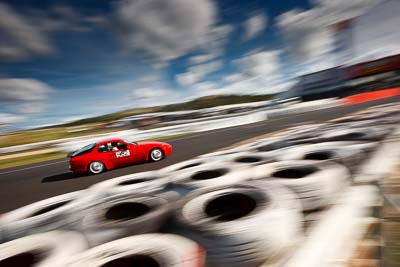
15,162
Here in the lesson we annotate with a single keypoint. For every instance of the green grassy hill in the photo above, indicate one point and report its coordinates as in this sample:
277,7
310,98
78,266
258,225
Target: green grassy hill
199,103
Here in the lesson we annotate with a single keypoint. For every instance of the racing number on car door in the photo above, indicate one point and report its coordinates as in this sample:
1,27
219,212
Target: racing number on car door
121,154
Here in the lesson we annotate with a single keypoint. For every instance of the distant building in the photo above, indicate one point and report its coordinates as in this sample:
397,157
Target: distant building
343,81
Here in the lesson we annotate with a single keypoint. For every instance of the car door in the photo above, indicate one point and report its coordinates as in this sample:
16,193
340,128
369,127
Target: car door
138,153
107,156
121,154
128,153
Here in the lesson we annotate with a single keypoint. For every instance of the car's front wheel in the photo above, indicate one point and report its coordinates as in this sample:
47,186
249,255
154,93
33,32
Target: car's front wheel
156,154
96,167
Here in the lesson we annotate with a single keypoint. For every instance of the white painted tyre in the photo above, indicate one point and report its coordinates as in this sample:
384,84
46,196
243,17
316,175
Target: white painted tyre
318,184
223,153
52,249
301,133
123,216
131,184
387,123
346,154
185,165
248,159
268,145
303,129
356,134
213,174
150,250
242,224
50,214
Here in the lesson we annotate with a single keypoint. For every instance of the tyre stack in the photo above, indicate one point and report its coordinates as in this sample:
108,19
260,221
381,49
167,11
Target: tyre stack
51,249
348,154
120,216
317,184
50,214
148,250
207,175
243,224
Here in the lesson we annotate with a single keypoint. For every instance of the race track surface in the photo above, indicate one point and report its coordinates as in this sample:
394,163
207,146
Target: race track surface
26,184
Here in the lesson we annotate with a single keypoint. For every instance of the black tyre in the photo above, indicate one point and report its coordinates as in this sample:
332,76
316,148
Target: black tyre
96,167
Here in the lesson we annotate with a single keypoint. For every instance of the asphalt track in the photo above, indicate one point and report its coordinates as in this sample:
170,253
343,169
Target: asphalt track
26,184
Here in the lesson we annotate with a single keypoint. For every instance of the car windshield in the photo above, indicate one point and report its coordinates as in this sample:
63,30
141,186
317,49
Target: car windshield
83,150
126,141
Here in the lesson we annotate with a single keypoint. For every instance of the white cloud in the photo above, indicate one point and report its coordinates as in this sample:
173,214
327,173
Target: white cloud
166,29
65,18
15,90
217,38
186,78
263,63
35,107
197,73
205,88
308,33
72,119
149,93
28,33
255,25
198,59
7,119
20,37
258,73
256,85
151,96
21,99
375,37
233,78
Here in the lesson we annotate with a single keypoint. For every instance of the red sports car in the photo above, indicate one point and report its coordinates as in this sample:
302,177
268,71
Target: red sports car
110,154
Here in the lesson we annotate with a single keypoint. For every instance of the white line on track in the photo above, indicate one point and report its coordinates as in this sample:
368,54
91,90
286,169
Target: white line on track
34,167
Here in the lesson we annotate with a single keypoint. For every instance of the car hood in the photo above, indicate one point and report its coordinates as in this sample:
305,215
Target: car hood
144,143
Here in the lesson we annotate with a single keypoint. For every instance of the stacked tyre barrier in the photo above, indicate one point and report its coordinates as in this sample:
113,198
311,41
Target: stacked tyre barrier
117,217
51,249
264,203
243,224
150,250
317,184
50,214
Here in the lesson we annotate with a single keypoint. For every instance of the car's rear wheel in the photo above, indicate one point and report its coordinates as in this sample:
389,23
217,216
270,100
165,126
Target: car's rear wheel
96,167
156,154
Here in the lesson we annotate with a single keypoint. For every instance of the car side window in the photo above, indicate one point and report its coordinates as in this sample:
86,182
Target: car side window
113,146
102,148
122,146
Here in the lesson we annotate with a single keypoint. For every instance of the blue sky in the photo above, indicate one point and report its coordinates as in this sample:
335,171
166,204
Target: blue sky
65,60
